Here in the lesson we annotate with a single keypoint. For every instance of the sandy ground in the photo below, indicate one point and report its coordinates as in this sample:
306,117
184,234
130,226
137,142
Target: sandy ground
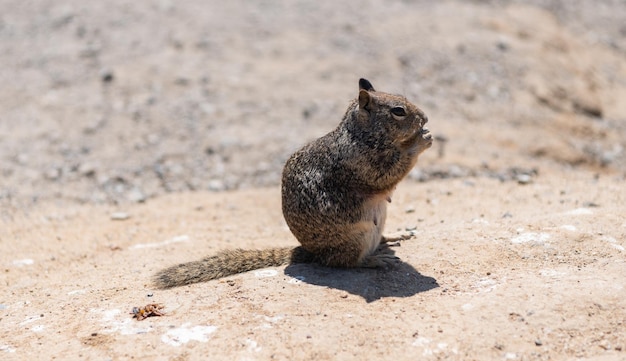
136,135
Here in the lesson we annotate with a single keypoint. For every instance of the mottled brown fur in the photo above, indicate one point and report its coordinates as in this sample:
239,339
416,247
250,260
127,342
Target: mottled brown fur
334,192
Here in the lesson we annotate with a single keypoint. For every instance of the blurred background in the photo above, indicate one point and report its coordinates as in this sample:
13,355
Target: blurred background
122,101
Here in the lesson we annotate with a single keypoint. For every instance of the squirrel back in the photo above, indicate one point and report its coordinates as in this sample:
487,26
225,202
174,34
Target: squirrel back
334,192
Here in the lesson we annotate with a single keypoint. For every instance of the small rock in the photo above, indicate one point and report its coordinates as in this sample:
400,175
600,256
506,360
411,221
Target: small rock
136,195
456,172
523,178
119,216
87,169
538,342
605,345
590,205
588,105
418,175
106,75
216,185
90,51
404,60
53,174
409,209
310,110
94,126
182,81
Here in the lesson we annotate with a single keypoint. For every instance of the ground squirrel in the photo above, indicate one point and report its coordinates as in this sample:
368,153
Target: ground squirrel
334,192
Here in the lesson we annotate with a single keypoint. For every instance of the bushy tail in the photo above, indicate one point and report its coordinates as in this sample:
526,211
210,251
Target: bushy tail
228,263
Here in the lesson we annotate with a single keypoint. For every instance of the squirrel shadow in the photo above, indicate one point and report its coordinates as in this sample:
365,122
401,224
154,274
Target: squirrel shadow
400,280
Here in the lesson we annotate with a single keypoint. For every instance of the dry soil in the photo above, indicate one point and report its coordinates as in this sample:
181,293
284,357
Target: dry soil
139,134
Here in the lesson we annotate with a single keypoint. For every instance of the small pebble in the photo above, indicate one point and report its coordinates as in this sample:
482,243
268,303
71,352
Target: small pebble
53,174
216,185
409,209
136,195
120,216
523,178
502,45
182,81
538,342
87,169
106,75
605,345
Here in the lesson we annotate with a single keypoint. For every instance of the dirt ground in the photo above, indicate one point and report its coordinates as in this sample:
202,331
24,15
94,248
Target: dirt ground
137,135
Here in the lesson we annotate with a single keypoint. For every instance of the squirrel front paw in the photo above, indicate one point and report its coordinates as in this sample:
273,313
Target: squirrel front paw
424,140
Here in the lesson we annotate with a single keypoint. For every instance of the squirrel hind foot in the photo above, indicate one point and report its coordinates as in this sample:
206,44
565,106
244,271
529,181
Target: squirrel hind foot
397,237
379,260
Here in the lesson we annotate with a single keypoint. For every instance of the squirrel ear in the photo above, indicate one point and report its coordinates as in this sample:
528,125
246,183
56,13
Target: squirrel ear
364,84
364,98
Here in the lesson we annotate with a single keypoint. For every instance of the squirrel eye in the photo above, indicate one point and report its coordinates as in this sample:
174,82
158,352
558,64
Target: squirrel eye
398,111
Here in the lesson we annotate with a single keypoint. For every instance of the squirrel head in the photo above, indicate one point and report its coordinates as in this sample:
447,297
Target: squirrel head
388,115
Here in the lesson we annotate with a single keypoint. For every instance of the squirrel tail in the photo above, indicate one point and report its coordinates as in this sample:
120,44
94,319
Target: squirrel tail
229,262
